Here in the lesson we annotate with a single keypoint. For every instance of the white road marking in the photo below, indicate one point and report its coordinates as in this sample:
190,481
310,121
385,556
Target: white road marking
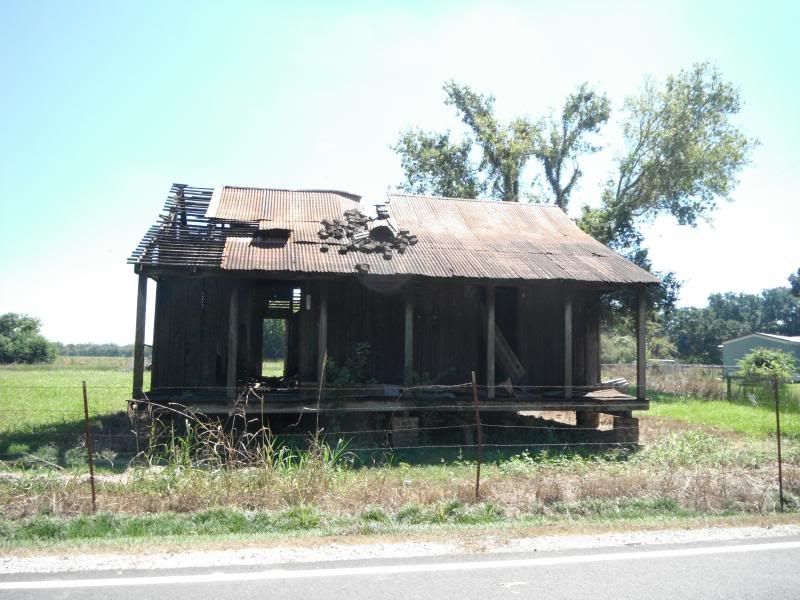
513,584
277,574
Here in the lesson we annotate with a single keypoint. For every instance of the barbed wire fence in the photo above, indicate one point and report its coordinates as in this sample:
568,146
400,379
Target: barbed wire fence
477,429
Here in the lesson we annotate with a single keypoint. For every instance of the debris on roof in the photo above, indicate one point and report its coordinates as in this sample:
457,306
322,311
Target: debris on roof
357,232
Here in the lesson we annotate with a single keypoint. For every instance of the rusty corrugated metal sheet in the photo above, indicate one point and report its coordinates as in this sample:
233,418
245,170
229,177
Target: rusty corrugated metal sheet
473,239
254,204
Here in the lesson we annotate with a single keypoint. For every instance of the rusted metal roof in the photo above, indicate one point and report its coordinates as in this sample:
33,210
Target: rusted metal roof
475,239
254,204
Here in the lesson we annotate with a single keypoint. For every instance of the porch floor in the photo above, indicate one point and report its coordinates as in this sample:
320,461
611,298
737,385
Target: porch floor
392,399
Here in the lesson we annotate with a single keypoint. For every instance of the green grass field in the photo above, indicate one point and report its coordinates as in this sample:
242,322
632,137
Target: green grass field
754,417
722,468
35,397
41,406
272,368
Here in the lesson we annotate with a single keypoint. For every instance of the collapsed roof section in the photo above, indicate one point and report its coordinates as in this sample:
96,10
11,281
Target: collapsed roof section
475,239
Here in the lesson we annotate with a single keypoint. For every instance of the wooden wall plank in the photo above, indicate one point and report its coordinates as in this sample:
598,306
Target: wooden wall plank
568,346
138,344
322,332
233,335
408,337
641,344
491,380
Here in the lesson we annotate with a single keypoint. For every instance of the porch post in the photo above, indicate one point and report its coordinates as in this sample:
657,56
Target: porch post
641,344
568,346
138,344
322,335
408,337
490,342
233,340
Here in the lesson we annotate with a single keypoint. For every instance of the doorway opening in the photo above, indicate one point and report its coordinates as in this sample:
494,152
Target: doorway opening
274,348
281,311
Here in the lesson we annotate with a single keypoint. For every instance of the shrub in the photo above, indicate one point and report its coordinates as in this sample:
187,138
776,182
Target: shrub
764,363
21,342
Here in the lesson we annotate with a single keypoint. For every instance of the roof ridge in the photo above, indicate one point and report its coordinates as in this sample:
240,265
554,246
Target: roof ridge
275,189
483,200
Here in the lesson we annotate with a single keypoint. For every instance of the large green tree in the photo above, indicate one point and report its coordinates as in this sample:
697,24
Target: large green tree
20,340
682,155
493,157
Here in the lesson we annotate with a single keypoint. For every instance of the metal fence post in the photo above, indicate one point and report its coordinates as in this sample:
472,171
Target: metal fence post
89,447
778,436
479,436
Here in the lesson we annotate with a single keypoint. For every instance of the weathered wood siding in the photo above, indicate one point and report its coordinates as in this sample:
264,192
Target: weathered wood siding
541,336
191,331
190,338
448,333
357,314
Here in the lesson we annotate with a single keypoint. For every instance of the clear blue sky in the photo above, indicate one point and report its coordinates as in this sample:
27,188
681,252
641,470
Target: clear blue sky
105,104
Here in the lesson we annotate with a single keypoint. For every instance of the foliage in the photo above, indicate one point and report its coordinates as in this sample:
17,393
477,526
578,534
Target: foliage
682,153
90,349
794,282
585,112
354,371
698,332
506,148
434,164
767,363
274,338
21,341
618,344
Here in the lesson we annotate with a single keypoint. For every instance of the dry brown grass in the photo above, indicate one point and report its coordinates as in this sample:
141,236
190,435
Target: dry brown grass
695,381
533,489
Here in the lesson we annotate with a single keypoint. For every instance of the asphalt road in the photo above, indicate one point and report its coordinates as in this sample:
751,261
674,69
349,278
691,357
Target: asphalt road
758,569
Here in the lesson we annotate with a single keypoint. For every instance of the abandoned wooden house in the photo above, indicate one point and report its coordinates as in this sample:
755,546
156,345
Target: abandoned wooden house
434,288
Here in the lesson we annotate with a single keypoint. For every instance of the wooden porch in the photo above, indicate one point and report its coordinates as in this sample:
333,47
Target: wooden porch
554,344
391,399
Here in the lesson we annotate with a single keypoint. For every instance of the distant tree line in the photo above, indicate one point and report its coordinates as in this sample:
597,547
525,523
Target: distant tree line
697,332
693,335
94,349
